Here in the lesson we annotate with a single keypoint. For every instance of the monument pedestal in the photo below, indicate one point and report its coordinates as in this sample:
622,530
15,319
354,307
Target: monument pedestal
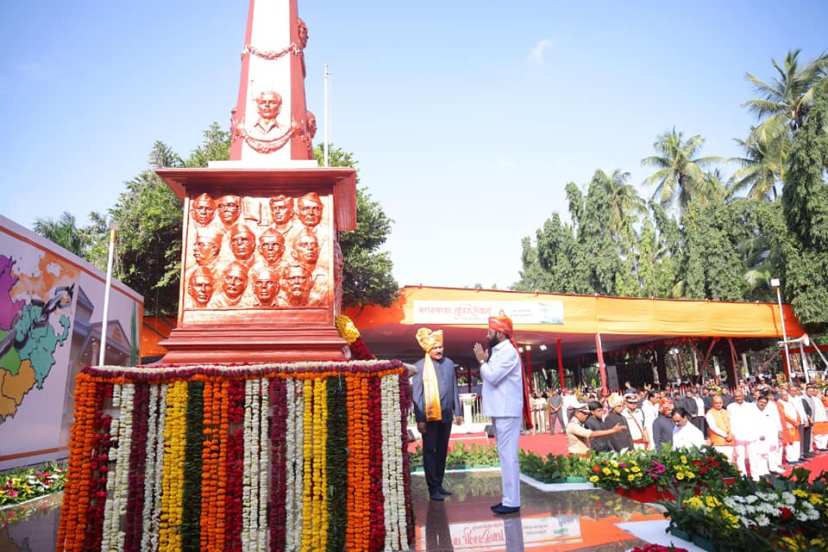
261,268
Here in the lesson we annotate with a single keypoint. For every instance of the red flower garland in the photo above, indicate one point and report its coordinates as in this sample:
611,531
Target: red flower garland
278,430
137,467
100,468
235,468
377,505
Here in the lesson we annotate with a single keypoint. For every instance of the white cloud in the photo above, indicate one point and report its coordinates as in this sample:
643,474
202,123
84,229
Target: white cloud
536,54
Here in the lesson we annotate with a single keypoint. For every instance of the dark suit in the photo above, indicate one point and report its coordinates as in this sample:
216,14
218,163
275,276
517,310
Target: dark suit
806,429
696,417
598,444
663,431
621,440
436,436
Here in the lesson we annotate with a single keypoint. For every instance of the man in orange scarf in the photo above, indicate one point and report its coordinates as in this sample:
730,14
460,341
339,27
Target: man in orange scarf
436,402
505,400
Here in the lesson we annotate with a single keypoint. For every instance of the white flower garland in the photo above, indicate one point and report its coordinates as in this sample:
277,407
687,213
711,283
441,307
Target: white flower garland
247,501
155,525
396,467
111,474
149,468
298,463
290,452
264,465
391,539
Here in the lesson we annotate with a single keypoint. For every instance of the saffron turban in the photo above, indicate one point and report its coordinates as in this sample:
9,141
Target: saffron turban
615,400
428,339
501,323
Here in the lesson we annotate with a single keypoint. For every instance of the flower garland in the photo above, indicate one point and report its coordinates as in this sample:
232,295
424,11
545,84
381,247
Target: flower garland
234,467
307,456
172,484
337,464
137,470
376,535
191,494
278,438
406,523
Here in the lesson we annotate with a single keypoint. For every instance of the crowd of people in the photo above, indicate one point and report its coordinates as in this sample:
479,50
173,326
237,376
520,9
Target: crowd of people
759,426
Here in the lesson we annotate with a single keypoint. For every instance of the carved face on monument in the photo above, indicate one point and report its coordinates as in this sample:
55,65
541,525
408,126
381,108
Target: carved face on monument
296,280
201,285
281,209
206,247
302,32
311,125
265,284
202,209
309,209
306,248
234,280
229,209
242,242
271,246
269,104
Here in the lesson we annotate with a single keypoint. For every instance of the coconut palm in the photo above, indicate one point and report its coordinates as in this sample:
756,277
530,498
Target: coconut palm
786,99
679,171
762,165
64,231
625,205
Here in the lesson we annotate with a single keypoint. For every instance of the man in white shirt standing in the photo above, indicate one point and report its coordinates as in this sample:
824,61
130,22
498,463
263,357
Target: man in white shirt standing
503,400
820,417
685,435
743,418
635,420
768,443
650,409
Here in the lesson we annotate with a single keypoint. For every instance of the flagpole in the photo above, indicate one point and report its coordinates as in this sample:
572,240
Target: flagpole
107,288
326,77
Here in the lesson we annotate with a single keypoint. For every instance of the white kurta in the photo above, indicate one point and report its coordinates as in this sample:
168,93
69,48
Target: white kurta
745,433
820,415
687,436
503,402
638,430
650,414
767,446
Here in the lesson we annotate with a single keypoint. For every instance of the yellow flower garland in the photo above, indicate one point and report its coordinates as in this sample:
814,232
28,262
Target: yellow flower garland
307,489
175,436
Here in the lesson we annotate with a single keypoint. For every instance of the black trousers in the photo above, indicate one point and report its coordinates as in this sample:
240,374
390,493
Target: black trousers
805,433
435,449
701,423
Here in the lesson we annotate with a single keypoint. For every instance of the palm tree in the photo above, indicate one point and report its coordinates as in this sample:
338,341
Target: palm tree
63,231
625,205
679,170
788,97
762,166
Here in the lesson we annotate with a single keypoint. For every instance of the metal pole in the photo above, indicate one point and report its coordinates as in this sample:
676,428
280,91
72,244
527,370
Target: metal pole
107,288
602,368
784,331
804,362
561,377
326,75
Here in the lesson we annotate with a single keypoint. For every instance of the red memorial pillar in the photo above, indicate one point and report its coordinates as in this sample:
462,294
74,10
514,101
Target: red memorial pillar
602,368
261,268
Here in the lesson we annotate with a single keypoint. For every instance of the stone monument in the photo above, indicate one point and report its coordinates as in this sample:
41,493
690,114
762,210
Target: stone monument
261,274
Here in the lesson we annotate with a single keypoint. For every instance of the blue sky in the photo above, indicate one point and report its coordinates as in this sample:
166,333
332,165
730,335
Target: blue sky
468,118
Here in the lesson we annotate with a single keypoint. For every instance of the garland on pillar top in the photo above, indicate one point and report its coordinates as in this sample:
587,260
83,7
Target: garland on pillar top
349,332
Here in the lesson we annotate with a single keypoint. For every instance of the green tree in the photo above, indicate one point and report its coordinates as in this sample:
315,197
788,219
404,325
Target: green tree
786,100
64,231
762,166
679,174
805,203
367,275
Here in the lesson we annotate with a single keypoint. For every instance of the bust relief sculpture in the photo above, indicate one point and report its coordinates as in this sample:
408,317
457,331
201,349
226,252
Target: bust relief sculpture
309,209
306,248
233,283
202,209
200,286
229,209
206,247
271,246
268,104
265,280
281,211
297,283
242,243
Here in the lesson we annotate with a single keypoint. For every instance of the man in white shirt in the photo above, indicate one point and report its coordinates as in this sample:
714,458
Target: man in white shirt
820,417
743,416
768,442
568,402
650,409
685,435
503,400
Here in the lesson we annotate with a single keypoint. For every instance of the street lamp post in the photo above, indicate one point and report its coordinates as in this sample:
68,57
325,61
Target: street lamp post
775,283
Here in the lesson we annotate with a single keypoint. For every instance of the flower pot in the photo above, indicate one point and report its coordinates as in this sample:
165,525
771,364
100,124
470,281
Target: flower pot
681,534
647,494
704,543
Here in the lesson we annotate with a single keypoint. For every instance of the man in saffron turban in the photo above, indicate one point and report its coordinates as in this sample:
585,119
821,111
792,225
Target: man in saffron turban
436,403
504,397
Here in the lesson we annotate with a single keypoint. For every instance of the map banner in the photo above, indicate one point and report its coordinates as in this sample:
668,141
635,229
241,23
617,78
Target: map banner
478,312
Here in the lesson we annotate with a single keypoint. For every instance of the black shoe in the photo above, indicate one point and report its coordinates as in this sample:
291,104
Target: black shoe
500,509
496,506
445,492
437,496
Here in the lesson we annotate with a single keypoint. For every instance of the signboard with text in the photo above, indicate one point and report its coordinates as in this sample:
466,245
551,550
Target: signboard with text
478,312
